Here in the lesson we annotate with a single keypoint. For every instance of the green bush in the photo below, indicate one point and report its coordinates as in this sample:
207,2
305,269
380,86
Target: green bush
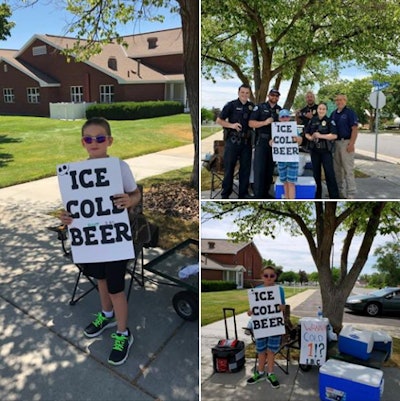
134,110
216,285
206,115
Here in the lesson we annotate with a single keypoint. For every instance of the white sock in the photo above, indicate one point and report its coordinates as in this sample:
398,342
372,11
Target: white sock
124,333
108,315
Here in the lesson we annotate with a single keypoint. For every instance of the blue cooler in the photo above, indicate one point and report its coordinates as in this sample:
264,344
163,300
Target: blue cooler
305,188
356,342
343,381
383,342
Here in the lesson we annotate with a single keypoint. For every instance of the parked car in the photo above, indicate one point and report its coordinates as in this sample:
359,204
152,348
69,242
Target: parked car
386,300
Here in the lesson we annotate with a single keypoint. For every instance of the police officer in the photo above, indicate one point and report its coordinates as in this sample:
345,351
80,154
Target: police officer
261,119
234,117
321,134
304,115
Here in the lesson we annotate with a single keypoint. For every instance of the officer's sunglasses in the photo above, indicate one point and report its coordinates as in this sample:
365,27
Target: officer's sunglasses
98,138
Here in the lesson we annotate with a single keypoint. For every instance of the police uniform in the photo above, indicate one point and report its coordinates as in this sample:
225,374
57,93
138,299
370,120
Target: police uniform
343,161
237,147
321,155
263,162
304,120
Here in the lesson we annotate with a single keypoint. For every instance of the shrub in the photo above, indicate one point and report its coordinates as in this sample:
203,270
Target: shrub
134,110
216,285
206,115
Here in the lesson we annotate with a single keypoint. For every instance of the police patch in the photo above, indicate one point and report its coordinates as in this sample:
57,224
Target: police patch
255,108
251,107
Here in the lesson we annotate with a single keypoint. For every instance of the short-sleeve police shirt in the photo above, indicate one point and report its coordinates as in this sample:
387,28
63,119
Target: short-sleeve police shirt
324,126
304,111
345,121
237,112
262,112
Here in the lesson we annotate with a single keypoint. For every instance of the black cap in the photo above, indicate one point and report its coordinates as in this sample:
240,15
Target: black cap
274,92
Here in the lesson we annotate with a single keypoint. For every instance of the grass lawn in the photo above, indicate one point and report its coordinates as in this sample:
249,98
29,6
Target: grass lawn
31,147
213,302
207,131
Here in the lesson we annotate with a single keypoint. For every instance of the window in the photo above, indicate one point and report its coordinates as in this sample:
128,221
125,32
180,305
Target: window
76,94
39,50
106,93
8,95
33,95
5,67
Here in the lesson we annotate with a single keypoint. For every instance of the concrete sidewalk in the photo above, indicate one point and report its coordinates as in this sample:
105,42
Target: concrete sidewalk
44,354
381,181
295,386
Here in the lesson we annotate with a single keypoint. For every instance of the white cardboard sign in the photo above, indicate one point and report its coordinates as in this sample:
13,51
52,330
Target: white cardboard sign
267,317
283,147
100,232
313,341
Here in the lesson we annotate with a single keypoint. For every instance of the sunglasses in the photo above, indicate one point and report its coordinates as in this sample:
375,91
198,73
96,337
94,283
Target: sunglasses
269,275
98,138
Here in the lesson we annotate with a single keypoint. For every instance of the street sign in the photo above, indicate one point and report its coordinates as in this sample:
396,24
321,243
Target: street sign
377,100
378,86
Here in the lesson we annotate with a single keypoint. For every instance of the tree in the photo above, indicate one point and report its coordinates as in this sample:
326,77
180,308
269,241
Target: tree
5,24
303,276
388,263
317,222
289,276
96,25
265,42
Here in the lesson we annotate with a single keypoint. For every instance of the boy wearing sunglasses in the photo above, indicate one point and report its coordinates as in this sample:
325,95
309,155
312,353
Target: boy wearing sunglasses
268,346
96,138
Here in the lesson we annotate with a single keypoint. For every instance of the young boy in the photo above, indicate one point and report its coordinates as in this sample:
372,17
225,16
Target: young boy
288,171
268,346
96,138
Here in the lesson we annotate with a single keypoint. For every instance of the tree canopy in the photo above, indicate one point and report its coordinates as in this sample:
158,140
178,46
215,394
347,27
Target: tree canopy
265,42
317,222
5,24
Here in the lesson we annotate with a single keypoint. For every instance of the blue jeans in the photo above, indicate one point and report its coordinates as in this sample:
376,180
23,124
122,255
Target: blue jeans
234,151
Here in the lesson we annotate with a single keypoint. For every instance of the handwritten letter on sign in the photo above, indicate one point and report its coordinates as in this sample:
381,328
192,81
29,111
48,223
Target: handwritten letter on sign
100,232
283,147
267,317
313,341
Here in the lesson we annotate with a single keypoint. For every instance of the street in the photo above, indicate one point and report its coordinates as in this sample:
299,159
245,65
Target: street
388,143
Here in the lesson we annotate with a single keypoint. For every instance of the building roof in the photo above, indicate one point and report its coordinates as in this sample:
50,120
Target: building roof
210,264
129,63
222,246
8,56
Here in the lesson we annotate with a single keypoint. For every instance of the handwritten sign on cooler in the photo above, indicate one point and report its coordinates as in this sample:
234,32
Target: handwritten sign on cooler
313,340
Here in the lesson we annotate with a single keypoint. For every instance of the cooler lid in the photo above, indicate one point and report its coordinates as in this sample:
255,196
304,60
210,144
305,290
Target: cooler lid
350,371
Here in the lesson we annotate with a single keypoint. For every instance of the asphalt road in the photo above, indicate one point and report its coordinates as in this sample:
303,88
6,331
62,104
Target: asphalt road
310,307
388,143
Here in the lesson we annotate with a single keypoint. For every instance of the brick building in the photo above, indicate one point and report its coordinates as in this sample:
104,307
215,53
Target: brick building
149,68
223,259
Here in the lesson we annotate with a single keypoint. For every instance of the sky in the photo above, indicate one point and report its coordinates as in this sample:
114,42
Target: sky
292,253
50,17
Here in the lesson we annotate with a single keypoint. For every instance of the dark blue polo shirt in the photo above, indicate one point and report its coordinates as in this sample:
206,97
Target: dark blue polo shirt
262,112
237,112
345,121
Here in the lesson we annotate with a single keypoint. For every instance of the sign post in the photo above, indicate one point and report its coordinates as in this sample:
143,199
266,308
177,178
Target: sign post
377,100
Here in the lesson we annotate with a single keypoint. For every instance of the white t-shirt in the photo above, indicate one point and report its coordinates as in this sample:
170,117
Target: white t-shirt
127,177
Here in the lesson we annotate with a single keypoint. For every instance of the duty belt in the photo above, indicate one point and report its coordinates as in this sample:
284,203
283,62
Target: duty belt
264,136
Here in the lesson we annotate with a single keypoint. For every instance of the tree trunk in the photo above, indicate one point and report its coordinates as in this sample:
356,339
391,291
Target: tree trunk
295,83
189,11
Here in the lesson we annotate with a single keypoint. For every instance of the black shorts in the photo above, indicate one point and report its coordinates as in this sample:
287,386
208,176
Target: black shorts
112,272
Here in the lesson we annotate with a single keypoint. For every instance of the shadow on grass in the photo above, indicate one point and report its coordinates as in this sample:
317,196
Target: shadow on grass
6,158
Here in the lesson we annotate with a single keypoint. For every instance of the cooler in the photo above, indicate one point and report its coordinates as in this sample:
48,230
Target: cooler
343,381
356,342
305,188
383,342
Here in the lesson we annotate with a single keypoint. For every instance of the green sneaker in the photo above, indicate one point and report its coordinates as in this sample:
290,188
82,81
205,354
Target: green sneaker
257,377
99,324
120,350
273,380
